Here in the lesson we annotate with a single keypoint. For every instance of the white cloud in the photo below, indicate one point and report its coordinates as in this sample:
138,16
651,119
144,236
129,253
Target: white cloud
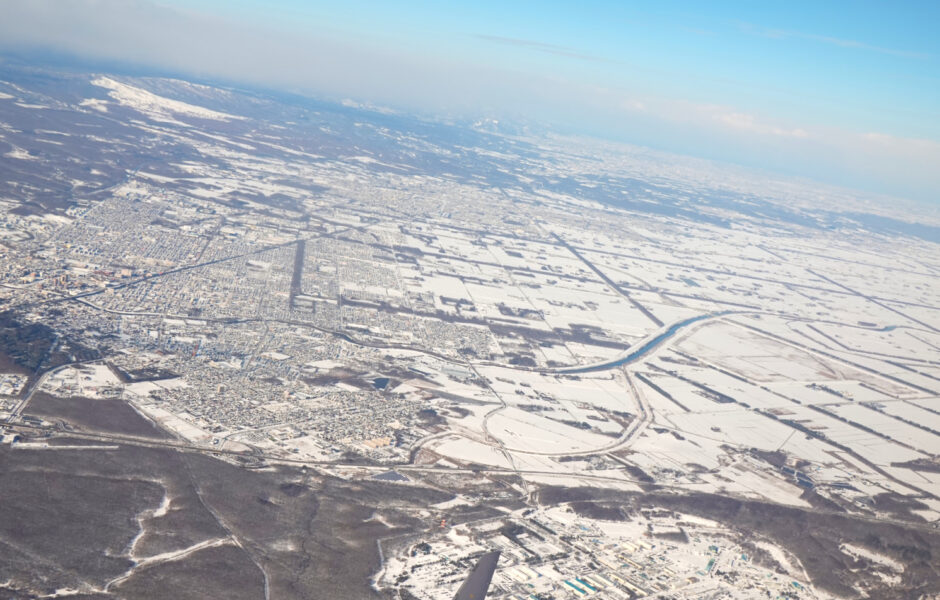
887,141
783,34
746,122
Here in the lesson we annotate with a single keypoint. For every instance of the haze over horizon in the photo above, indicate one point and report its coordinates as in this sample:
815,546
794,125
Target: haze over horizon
844,93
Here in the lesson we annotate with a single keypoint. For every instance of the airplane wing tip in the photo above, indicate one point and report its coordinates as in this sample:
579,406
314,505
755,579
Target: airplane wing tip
478,582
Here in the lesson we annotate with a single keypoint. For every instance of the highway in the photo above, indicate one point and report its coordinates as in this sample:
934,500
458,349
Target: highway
22,404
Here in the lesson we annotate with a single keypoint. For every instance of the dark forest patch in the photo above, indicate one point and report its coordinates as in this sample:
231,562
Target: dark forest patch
108,415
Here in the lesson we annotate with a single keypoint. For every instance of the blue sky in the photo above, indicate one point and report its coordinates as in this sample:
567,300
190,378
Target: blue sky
867,65
848,92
